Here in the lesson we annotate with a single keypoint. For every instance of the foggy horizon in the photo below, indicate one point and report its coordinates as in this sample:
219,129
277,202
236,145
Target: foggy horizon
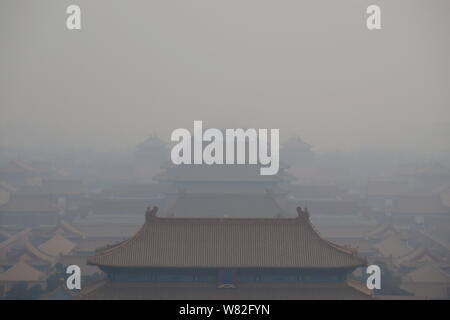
310,69
225,151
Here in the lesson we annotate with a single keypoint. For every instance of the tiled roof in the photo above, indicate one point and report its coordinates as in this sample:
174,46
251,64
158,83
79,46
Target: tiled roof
428,273
422,255
382,231
66,228
210,242
19,237
393,246
57,245
22,272
32,251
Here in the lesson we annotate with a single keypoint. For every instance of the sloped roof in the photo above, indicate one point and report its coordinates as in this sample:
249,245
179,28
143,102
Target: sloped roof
428,273
420,256
66,227
32,251
19,237
22,271
393,246
175,242
57,245
382,231
92,244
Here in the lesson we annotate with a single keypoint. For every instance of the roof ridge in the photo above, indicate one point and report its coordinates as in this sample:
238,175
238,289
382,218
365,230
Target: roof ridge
70,228
342,257
343,249
14,238
38,253
108,248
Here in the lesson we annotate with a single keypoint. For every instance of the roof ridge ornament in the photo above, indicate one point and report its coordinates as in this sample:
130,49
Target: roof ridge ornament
150,213
303,212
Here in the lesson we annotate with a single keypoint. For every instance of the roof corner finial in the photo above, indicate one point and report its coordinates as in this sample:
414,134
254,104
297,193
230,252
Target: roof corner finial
299,211
150,213
303,212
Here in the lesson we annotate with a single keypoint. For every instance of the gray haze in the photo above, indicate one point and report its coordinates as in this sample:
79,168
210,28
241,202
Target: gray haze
310,68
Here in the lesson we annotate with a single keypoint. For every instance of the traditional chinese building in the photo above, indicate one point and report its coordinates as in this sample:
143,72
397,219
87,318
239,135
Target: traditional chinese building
226,258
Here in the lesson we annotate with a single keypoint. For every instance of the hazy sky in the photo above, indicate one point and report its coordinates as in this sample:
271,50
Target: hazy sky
307,67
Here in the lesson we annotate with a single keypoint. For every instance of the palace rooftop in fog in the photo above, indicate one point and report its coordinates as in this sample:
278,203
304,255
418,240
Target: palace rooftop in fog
203,256
210,242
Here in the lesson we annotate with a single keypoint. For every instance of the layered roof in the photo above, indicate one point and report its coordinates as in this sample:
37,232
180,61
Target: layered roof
421,256
210,242
428,273
33,253
66,229
57,245
22,272
383,231
393,246
17,239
